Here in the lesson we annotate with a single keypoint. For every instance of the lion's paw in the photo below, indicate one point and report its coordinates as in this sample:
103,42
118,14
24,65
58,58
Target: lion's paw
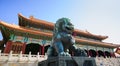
64,54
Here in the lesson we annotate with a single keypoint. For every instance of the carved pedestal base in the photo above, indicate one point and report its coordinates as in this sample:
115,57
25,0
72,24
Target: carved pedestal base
68,61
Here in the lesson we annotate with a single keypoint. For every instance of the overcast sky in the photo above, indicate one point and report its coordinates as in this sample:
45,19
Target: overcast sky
100,17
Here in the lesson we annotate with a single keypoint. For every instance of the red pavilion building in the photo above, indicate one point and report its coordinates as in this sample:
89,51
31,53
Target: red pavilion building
34,35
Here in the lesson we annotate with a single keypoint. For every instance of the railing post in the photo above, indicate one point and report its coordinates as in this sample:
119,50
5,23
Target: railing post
10,55
20,56
0,52
38,56
29,56
45,56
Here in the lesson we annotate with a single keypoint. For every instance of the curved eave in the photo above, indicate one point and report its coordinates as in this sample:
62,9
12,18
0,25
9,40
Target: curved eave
24,30
35,21
50,24
95,43
90,35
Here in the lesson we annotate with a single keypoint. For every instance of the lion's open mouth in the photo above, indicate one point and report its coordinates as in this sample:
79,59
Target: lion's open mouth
68,28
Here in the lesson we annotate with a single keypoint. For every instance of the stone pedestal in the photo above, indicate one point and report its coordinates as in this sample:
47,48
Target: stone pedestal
68,61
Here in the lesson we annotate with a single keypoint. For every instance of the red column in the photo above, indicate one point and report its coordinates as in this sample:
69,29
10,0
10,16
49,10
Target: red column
72,54
43,50
40,50
97,54
113,54
88,53
23,48
104,55
8,47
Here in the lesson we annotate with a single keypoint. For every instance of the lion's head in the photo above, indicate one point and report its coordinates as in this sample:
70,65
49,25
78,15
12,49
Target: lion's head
64,25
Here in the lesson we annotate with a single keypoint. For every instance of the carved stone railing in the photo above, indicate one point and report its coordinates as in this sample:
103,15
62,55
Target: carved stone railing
33,60
21,58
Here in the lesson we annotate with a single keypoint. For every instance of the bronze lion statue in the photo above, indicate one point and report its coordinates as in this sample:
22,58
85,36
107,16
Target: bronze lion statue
63,43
